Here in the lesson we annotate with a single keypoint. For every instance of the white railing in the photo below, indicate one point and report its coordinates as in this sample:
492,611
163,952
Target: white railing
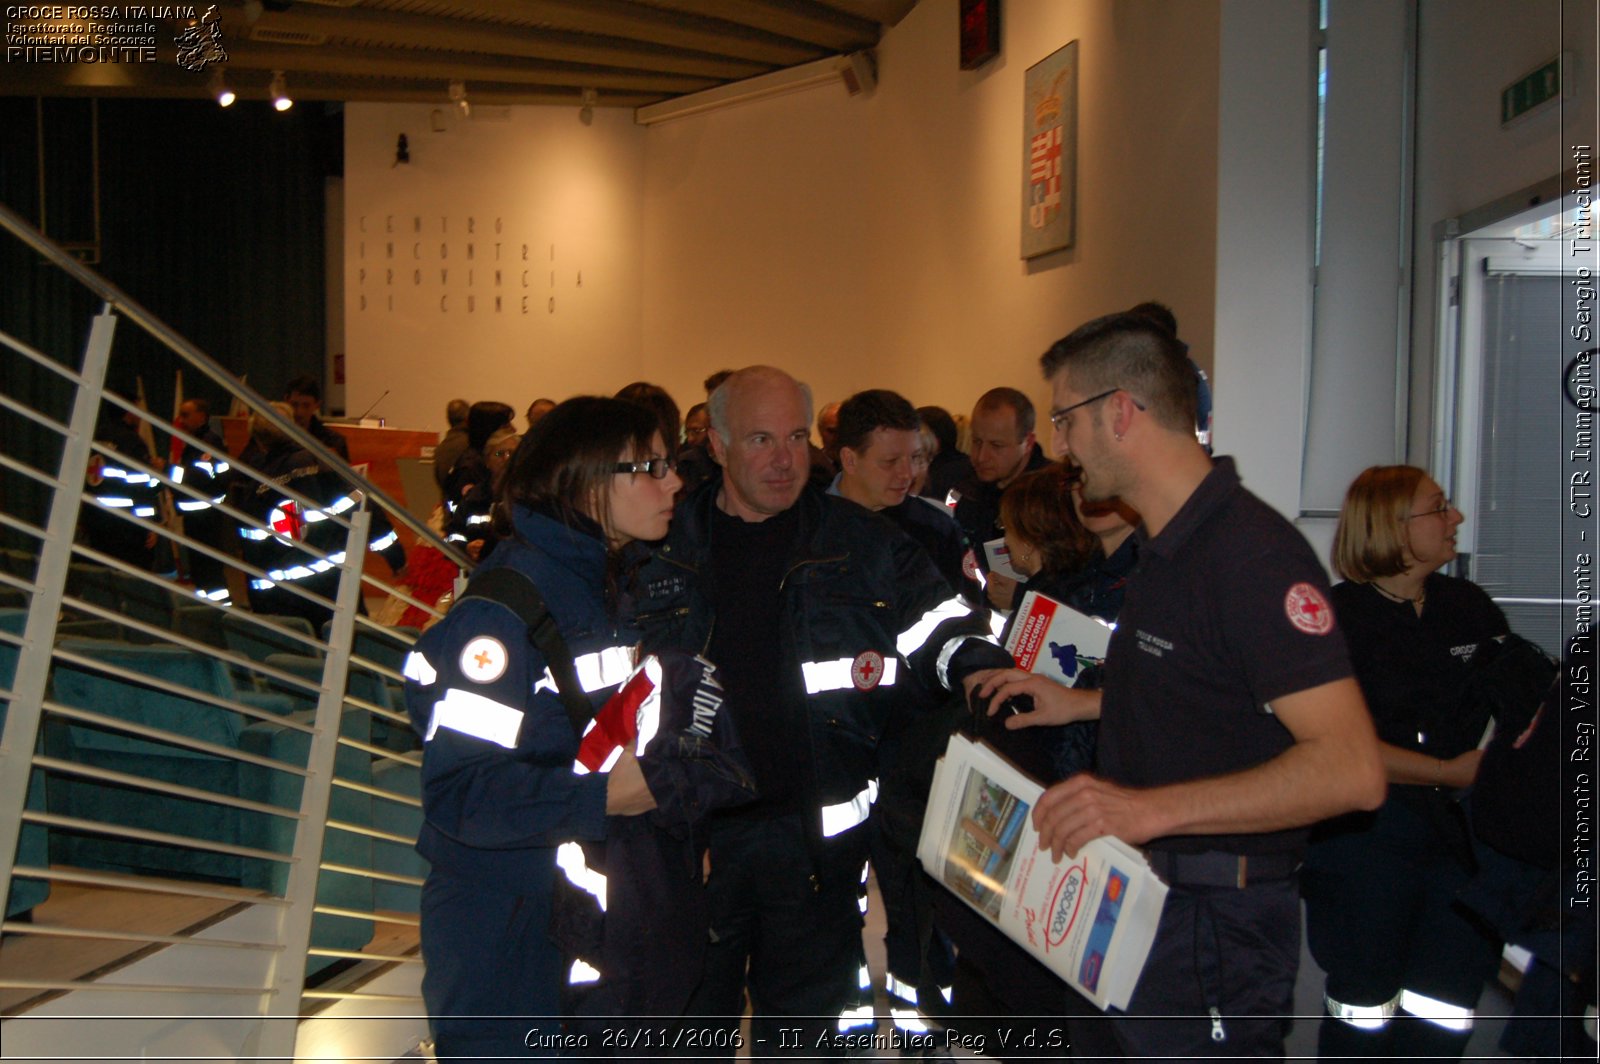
152,750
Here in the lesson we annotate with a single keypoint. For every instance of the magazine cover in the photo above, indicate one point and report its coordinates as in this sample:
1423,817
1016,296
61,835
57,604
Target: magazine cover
1055,639
1089,918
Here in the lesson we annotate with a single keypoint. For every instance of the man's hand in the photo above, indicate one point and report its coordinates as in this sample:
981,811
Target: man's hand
1084,807
1052,702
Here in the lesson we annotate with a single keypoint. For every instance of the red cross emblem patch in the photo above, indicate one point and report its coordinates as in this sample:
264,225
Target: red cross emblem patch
867,670
1308,610
286,522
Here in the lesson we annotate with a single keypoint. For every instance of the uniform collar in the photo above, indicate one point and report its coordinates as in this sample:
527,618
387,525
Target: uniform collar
578,546
1217,488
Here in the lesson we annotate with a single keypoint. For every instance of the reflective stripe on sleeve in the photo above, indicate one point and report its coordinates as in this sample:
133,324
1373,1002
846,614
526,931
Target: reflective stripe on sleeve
907,1020
1363,1017
941,666
836,675
837,819
117,473
419,669
997,623
582,972
175,474
1450,1017
570,859
596,671
473,714
144,511
383,543
118,501
604,668
189,506
911,640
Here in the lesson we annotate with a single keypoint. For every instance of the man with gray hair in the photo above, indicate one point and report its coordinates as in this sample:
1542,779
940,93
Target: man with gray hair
453,442
819,617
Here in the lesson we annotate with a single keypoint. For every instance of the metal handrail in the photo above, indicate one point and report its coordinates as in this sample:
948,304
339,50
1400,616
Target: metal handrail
131,309
312,764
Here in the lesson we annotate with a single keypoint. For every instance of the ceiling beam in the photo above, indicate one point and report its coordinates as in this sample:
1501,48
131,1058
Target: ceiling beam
824,27
643,22
446,66
396,29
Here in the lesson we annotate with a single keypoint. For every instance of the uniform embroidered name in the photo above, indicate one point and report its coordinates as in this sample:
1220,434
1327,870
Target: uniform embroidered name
1152,644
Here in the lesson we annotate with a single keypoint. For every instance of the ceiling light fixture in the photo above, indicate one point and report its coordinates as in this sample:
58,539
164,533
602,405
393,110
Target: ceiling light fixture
458,96
586,112
219,88
279,91
856,71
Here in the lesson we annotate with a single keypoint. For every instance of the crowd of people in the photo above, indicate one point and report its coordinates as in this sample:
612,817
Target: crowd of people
1255,732
697,683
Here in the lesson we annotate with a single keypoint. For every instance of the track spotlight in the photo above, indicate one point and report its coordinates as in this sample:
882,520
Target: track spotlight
219,88
280,92
458,96
586,112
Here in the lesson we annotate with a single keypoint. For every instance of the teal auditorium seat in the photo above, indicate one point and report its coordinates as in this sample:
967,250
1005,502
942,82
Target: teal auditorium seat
84,687
33,847
400,819
143,599
336,889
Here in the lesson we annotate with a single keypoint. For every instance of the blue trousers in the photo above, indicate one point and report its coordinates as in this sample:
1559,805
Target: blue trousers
493,980
786,926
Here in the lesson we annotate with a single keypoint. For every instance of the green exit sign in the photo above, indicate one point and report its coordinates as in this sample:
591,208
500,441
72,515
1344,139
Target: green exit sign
1533,90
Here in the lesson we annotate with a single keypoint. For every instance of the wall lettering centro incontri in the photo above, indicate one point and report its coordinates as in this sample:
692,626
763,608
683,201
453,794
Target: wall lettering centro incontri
462,266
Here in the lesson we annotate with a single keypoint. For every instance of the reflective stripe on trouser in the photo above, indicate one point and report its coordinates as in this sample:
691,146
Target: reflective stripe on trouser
1364,1017
859,1014
570,859
903,1004
837,819
1442,1013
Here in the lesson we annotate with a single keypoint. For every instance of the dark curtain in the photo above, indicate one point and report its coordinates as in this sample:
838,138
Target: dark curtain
211,219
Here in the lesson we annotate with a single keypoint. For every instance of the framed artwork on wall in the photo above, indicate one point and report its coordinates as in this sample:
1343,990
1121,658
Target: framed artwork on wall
1050,153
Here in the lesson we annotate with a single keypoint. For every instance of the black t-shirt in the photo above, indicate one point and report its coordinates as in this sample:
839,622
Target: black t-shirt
1414,669
1226,610
748,562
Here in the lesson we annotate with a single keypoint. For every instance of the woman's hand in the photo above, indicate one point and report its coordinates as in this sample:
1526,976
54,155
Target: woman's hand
626,792
1000,590
1052,702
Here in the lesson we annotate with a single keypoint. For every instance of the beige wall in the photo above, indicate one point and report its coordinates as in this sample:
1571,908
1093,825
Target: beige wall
568,193
873,241
860,242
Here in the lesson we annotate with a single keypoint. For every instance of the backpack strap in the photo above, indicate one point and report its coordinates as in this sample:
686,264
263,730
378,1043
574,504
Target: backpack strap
517,592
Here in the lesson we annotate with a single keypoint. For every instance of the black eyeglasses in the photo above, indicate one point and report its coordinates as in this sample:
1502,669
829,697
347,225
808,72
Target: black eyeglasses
656,467
1056,416
1442,510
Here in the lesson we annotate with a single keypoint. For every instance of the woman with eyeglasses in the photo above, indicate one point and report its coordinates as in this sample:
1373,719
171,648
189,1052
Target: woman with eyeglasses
1405,968
500,793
